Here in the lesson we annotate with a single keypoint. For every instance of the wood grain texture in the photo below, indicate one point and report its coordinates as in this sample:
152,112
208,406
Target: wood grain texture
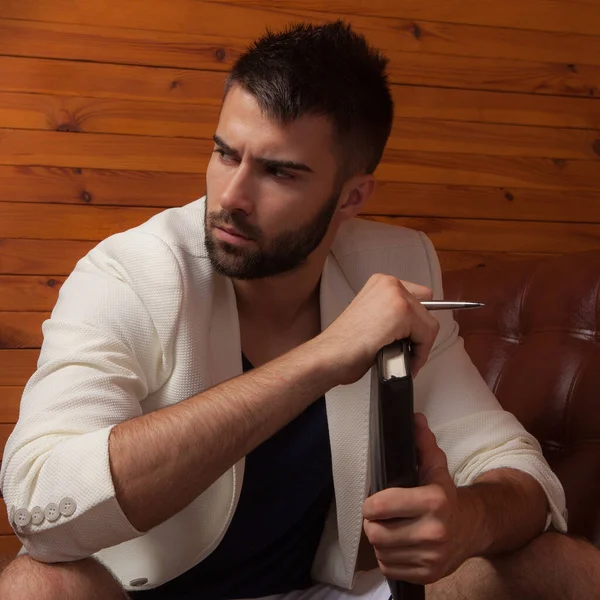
104,80
176,85
215,47
452,260
242,18
580,16
63,222
92,150
10,399
502,236
137,117
29,293
471,202
22,147
90,115
41,257
17,366
495,171
56,185
19,330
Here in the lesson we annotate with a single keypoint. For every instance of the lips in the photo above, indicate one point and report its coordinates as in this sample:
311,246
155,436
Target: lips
233,232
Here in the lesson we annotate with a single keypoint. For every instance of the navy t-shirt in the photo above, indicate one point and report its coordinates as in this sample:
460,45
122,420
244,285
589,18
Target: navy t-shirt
273,536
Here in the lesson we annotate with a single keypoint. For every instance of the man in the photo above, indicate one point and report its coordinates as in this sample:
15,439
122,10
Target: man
198,420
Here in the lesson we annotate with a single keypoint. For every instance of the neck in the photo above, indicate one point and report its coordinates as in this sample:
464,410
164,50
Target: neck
280,300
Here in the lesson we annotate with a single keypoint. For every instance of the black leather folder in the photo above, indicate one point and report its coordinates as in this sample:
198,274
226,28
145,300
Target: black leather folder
393,451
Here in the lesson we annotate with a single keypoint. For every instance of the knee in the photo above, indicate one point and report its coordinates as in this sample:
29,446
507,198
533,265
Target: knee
87,579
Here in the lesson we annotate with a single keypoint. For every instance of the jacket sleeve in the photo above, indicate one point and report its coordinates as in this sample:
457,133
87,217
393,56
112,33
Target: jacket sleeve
470,425
106,347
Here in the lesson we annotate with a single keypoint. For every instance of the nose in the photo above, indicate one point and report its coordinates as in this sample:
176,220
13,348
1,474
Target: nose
237,195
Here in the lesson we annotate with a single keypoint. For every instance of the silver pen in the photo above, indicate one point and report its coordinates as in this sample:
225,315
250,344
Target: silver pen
449,305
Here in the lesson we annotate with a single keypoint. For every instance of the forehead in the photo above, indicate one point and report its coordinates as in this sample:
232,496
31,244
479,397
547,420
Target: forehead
243,126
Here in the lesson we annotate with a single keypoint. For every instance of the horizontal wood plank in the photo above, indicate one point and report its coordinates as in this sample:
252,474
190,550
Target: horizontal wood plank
10,400
92,115
98,115
453,260
217,46
176,85
163,119
41,257
100,80
470,202
580,16
420,102
93,150
249,17
17,366
29,293
21,329
97,186
48,148
63,222
476,235
118,45
495,171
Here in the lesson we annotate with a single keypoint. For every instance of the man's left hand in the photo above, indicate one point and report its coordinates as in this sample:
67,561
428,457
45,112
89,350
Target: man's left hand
424,533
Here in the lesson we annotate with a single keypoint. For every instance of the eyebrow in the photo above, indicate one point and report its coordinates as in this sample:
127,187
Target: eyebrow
266,162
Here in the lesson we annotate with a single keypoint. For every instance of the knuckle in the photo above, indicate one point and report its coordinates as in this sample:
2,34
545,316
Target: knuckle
427,293
386,570
437,500
374,534
378,505
435,532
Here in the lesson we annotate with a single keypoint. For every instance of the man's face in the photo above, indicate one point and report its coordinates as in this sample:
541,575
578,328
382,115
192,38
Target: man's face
270,190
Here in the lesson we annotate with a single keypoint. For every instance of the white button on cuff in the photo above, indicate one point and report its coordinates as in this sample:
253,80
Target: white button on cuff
138,582
67,507
52,512
37,515
22,517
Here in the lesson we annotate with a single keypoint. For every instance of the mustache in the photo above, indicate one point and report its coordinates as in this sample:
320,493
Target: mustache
238,221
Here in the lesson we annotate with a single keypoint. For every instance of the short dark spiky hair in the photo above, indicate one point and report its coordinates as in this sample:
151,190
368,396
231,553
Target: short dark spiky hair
326,70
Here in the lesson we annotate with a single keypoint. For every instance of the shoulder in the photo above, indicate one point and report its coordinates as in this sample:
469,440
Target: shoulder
365,247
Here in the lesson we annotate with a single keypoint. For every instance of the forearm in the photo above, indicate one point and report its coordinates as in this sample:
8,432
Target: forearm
172,455
502,511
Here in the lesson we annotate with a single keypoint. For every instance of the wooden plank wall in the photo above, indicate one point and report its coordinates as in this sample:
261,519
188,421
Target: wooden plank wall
107,108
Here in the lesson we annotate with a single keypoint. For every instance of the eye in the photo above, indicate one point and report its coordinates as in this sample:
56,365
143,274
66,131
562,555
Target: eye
278,173
225,156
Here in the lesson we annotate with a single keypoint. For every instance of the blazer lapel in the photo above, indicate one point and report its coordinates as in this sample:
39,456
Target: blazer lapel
348,418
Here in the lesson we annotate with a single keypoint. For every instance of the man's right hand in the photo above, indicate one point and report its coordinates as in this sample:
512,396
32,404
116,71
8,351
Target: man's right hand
385,310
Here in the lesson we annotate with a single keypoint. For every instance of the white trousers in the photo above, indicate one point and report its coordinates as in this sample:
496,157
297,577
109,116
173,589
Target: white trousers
369,585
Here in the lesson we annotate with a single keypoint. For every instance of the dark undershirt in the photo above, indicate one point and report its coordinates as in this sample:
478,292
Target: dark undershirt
273,536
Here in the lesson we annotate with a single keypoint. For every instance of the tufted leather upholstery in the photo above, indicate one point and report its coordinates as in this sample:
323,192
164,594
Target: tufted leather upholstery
537,344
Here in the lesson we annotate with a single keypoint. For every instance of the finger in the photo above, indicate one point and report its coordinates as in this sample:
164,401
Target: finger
424,328
396,534
433,464
420,292
410,573
393,534
394,503
408,555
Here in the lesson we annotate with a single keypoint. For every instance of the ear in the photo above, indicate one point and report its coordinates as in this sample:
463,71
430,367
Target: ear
355,193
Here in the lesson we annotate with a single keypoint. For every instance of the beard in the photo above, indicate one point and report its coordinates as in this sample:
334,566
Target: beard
286,252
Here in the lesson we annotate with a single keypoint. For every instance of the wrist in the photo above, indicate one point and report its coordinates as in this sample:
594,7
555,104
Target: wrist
473,523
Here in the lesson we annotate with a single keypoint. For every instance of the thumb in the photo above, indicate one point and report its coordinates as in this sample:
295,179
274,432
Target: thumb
433,465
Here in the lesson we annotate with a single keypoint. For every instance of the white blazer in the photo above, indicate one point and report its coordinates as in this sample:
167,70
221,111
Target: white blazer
144,322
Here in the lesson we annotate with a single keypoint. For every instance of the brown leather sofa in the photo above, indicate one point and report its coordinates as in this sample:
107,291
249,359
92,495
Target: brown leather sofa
537,344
